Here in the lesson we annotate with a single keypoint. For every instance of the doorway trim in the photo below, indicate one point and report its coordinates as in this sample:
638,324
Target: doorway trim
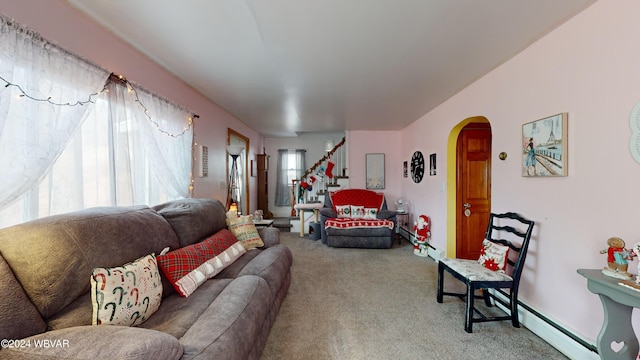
452,219
247,143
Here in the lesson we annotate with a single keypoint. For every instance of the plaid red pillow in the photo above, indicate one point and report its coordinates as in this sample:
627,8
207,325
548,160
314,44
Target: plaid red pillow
189,267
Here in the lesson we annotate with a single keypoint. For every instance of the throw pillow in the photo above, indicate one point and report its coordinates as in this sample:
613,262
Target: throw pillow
370,213
357,212
493,256
343,211
189,267
126,295
244,229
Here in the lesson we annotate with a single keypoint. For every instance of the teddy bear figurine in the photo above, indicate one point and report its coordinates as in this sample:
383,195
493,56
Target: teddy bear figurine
617,259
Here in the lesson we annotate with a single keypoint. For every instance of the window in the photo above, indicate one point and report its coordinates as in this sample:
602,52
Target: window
291,166
68,141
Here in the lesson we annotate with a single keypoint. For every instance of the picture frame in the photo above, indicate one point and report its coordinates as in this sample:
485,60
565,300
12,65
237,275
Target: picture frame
203,164
254,168
432,164
375,171
544,147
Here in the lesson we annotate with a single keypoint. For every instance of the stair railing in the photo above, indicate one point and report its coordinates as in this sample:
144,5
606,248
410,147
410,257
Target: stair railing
298,188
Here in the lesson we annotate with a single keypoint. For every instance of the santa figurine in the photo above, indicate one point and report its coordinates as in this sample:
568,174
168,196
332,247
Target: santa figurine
422,230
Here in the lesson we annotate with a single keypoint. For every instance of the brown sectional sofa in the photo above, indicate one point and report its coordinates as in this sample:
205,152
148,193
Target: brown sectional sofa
44,281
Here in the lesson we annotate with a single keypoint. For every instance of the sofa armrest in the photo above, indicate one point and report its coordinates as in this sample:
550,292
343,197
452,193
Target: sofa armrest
96,342
270,236
387,215
328,212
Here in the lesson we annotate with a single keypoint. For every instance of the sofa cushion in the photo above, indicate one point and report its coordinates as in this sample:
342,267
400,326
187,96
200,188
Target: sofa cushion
357,211
233,322
126,295
16,308
56,255
193,219
343,211
362,197
189,267
98,342
271,264
244,229
370,213
177,313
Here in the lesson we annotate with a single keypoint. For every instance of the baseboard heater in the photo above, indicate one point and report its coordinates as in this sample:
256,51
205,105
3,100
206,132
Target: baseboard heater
590,347
545,319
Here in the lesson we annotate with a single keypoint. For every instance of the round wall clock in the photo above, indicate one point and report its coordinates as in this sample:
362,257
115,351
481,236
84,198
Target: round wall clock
417,166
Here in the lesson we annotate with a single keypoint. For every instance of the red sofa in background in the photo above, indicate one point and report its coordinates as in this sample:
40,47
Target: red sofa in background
357,218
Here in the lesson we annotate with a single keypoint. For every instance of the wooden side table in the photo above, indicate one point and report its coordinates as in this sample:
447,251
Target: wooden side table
618,302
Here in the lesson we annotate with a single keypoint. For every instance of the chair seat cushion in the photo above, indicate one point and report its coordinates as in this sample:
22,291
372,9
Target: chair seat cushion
474,271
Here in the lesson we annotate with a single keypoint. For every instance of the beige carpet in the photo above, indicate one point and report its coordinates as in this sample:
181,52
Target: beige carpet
381,304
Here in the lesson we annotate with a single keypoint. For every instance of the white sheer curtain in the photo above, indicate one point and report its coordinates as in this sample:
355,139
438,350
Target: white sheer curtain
127,146
164,133
34,131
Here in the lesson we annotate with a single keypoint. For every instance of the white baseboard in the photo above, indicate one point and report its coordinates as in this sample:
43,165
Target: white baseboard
556,338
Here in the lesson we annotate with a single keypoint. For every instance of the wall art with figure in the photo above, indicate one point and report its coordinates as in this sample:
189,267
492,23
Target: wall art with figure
544,147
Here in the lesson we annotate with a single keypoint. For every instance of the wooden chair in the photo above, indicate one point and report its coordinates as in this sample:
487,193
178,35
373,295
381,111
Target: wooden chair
476,276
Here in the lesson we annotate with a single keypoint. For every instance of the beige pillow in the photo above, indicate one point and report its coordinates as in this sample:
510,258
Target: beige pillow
244,229
126,295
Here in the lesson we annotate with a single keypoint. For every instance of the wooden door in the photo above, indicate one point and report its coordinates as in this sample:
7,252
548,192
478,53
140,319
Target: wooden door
473,198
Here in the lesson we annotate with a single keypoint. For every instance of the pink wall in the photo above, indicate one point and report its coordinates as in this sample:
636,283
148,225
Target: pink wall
361,143
588,68
86,38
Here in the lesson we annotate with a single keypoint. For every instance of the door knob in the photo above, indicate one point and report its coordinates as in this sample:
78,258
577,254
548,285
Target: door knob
466,205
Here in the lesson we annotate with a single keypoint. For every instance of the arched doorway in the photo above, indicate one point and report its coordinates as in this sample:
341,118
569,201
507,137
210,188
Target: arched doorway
469,184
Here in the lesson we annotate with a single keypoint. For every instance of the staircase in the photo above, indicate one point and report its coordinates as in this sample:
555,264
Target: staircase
327,174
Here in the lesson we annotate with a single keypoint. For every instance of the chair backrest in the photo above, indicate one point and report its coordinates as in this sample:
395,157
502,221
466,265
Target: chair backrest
502,232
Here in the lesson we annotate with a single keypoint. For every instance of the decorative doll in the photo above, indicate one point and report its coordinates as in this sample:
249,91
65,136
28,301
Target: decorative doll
617,259
422,229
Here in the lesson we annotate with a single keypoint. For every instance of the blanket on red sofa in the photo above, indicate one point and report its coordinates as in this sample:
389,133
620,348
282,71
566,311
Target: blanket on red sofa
349,223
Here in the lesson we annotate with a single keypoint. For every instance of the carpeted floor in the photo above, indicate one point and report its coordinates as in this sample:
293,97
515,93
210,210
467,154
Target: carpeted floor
381,304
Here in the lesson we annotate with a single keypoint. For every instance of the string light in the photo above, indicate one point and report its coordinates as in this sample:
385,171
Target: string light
130,90
48,100
90,99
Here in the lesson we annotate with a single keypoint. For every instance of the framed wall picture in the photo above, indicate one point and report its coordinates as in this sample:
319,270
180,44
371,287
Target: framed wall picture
254,168
375,171
203,164
432,164
544,147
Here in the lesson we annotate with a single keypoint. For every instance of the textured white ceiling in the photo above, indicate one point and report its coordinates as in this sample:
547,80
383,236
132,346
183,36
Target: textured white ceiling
291,66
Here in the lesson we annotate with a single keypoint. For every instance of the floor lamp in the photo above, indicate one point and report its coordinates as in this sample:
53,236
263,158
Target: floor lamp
233,188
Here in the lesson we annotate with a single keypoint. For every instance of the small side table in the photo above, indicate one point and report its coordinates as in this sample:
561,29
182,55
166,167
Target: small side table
315,207
618,302
402,221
